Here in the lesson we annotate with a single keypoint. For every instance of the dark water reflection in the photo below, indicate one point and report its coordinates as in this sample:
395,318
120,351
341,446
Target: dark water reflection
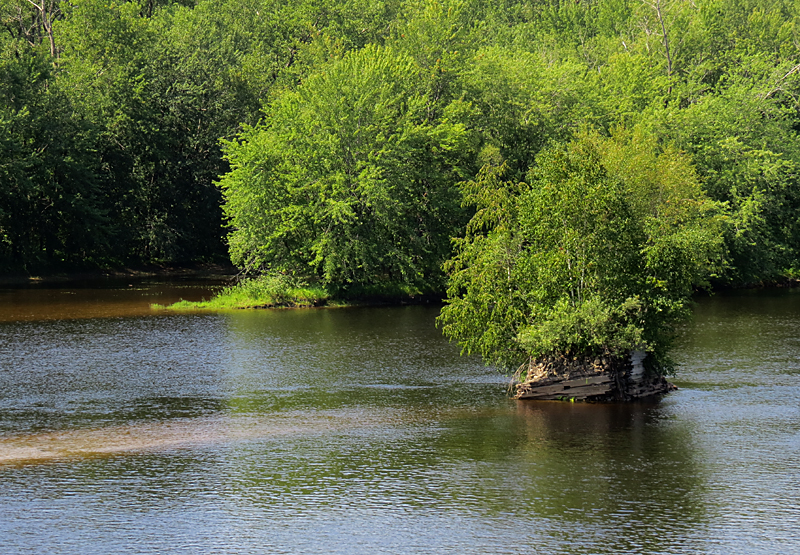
363,431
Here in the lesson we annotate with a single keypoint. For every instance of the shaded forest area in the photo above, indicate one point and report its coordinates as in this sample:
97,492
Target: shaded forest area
161,131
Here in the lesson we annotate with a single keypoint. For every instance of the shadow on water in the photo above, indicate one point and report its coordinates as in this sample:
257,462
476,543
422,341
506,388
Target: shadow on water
572,478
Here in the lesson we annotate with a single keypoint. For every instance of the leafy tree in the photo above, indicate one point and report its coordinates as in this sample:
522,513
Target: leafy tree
597,253
438,35
348,182
163,82
520,104
105,61
51,209
743,140
112,114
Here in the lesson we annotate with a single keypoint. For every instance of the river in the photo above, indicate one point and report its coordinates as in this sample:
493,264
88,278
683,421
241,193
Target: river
362,430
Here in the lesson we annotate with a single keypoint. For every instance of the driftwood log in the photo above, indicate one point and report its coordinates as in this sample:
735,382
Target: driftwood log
599,379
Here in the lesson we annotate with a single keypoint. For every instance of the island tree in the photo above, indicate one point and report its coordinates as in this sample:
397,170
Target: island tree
597,252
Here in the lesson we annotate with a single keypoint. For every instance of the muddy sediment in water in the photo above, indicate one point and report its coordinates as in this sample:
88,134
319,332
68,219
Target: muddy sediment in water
594,379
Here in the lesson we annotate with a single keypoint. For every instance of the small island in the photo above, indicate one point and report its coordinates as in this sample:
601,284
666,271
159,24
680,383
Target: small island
585,269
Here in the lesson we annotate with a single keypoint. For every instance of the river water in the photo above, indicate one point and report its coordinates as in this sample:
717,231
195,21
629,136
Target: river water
362,430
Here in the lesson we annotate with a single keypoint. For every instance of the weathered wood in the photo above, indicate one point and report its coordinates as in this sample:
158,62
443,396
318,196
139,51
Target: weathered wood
581,387
597,379
580,393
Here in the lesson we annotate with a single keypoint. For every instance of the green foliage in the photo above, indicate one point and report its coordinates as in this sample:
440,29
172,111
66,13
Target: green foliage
50,201
598,252
158,117
274,290
349,182
521,102
437,34
146,90
744,142
586,327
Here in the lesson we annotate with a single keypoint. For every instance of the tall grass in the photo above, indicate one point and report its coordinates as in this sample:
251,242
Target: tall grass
274,291
260,292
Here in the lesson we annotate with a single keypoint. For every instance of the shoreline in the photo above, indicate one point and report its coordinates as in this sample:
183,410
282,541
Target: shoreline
198,270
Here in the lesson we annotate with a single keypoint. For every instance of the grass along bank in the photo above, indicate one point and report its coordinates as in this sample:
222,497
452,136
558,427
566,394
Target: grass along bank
279,291
259,292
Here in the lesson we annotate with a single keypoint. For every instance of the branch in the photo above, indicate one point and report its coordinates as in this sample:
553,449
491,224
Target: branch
777,86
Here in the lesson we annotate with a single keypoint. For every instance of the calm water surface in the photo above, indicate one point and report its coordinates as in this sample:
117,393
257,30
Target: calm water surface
362,431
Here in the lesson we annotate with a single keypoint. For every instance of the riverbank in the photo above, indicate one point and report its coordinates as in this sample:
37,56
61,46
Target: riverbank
267,292
194,270
261,292
282,292
789,279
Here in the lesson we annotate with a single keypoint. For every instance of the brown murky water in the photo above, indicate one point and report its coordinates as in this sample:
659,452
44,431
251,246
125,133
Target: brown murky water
101,298
362,431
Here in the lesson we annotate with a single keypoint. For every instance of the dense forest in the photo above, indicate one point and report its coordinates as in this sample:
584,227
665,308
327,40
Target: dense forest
508,150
